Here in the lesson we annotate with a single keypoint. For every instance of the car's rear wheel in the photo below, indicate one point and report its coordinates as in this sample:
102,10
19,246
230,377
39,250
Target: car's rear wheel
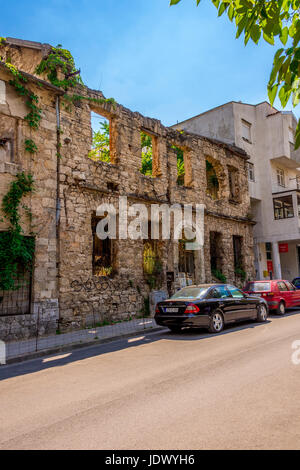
262,313
216,323
175,329
281,308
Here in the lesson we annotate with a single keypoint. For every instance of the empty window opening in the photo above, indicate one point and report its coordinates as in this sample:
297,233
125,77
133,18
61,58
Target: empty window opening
246,131
280,177
251,174
269,254
6,150
212,182
233,184
216,259
180,165
102,252
150,157
283,207
237,251
101,143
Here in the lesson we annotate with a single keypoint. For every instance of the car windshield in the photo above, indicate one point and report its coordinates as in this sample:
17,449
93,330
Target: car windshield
190,293
258,286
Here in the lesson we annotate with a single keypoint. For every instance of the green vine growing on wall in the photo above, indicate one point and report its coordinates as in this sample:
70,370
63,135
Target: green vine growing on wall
16,250
32,100
30,146
60,59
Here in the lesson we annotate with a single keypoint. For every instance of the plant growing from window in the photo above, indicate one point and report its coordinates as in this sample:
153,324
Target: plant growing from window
180,165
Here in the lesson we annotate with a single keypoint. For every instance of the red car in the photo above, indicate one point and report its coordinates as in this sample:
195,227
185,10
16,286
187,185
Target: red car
279,294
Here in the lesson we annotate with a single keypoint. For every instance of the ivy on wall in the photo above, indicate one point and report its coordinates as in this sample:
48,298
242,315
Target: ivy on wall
16,250
32,100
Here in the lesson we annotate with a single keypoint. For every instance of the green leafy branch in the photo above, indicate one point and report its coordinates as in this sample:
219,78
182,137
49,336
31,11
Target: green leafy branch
270,19
35,113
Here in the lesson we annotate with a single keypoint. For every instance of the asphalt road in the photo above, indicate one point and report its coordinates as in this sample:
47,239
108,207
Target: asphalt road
237,390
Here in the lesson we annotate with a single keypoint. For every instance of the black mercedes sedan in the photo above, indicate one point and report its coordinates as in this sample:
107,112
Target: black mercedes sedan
209,306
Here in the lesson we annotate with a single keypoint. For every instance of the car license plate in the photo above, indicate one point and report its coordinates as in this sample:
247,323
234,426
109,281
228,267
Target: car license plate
171,310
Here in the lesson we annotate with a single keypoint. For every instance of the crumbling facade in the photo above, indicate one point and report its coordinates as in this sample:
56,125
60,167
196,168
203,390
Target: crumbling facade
68,287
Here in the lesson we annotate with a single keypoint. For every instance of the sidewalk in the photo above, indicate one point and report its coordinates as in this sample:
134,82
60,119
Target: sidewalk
34,347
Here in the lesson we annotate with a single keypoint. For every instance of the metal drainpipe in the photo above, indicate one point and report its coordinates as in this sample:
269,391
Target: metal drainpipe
58,203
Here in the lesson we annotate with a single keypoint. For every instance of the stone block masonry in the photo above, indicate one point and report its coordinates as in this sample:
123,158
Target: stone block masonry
67,290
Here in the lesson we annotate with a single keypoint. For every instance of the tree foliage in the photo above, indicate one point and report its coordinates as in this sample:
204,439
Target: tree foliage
270,20
101,150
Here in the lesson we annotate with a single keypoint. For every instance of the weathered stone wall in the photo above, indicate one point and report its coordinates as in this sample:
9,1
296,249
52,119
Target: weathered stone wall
70,187
42,202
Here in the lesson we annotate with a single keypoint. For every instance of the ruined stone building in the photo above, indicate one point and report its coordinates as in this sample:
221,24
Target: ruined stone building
77,278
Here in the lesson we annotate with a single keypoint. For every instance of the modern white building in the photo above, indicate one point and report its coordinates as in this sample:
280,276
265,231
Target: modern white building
267,135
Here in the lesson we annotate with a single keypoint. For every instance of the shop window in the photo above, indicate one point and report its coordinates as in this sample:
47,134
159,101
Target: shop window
216,259
283,207
186,260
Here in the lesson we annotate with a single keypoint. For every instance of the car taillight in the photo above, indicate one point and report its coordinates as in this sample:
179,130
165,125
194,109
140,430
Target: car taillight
157,309
191,308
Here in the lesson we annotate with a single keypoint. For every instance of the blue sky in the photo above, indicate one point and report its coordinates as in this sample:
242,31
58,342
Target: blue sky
167,63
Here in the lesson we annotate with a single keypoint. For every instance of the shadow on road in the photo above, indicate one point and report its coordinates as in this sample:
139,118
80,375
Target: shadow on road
68,357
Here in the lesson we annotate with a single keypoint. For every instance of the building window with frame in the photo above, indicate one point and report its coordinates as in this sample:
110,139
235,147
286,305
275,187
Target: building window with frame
237,251
251,174
280,177
150,154
283,207
246,131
